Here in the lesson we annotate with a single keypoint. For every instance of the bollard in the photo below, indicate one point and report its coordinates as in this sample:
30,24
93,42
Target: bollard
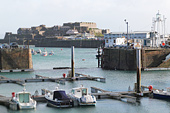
64,75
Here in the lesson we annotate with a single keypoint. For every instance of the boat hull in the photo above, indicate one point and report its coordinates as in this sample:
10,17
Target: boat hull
27,106
161,96
87,104
59,104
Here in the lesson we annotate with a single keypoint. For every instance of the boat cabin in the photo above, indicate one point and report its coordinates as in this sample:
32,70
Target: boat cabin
23,97
60,95
79,92
168,89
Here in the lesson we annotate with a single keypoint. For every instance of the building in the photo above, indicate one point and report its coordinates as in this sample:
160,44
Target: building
72,32
145,38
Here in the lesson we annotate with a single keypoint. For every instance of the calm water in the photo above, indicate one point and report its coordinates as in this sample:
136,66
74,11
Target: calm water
115,81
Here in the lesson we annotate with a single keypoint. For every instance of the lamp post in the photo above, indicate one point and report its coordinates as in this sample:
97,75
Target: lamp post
9,38
127,32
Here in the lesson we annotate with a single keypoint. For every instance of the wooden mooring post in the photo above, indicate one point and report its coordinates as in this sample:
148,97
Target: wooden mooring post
99,57
138,62
72,62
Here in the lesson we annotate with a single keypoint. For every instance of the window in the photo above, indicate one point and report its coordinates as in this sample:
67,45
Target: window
84,92
73,91
114,41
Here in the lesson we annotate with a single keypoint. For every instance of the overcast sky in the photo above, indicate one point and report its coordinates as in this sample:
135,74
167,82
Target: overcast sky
107,14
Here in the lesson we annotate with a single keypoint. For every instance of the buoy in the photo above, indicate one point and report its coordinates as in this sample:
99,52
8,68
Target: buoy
83,59
61,49
13,94
150,88
163,44
64,75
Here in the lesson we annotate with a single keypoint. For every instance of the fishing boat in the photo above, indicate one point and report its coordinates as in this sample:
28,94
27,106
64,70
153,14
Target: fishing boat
58,98
162,94
80,94
24,100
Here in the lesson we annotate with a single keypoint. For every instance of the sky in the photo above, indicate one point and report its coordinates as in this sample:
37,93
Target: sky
107,14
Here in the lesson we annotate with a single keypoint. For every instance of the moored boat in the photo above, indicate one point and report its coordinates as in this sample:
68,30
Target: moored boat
80,94
51,53
24,100
33,52
38,51
44,53
58,98
162,94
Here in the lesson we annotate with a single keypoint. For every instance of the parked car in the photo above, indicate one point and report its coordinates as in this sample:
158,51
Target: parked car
14,45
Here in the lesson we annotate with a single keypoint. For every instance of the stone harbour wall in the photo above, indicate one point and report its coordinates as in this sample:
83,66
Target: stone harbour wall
18,58
125,59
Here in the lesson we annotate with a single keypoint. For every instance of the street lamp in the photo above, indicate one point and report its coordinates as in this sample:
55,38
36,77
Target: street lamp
9,38
127,32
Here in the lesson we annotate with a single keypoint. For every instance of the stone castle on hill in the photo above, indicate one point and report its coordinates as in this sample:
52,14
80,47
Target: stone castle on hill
84,30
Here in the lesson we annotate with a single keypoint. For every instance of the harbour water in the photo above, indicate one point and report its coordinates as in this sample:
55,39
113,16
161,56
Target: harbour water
86,63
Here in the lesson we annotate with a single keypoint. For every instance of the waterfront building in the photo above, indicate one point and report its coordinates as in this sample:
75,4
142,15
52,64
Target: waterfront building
119,38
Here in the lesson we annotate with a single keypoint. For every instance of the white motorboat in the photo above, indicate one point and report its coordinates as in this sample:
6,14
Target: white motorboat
80,95
44,53
24,100
58,98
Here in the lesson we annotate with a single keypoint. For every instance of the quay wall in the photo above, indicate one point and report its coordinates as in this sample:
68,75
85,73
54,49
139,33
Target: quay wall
125,59
53,42
69,43
18,58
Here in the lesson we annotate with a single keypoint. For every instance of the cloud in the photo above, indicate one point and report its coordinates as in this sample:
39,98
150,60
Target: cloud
106,13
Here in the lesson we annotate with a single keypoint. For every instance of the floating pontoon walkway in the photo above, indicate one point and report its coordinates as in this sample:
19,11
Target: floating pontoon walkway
61,80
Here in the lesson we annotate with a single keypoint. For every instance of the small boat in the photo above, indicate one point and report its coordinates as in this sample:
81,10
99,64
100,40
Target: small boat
44,53
80,94
51,53
24,100
58,98
38,51
33,52
162,94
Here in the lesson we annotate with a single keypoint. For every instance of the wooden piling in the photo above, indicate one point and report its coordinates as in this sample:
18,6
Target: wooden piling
138,62
72,62
98,57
